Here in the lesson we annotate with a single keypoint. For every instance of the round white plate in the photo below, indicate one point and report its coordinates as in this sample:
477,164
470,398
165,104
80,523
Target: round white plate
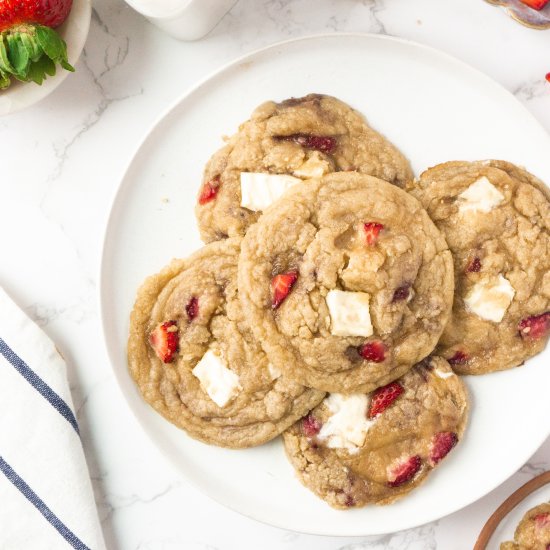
74,31
434,108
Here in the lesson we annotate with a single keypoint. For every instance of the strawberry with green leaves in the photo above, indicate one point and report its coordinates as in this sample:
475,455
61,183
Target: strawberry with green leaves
30,48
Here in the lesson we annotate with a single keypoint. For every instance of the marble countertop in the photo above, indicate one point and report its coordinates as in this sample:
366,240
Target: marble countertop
54,208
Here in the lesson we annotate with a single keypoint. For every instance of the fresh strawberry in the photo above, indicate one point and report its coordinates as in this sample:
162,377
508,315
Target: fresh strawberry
534,327
310,425
372,229
281,285
373,351
29,47
535,4
542,520
474,266
547,77
404,471
192,308
458,358
401,293
441,445
164,340
383,397
210,190
324,144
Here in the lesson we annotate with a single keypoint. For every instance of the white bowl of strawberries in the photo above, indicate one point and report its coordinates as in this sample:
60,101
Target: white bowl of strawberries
40,42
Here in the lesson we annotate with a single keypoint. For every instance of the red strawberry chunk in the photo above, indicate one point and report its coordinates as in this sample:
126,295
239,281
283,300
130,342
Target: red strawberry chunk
534,327
474,266
209,190
401,293
192,308
458,358
404,471
548,79
373,351
281,285
311,425
383,397
324,144
535,4
542,520
441,445
164,340
372,229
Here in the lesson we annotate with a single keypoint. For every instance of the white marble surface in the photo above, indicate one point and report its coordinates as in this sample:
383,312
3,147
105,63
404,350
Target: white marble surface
61,163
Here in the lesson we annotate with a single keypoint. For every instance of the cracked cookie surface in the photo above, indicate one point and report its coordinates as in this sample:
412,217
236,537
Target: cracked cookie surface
303,137
409,428
189,311
347,282
496,219
533,531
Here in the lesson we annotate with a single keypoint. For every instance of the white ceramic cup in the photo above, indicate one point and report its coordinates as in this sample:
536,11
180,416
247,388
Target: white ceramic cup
183,19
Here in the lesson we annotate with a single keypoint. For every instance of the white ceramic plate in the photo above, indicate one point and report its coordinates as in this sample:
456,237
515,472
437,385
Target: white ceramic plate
74,31
434,108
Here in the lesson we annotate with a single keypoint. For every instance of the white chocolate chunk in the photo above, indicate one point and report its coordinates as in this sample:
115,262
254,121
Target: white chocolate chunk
274,372
221,384
314,167
490,298
259,190
481,196
348,425
349,313
443,374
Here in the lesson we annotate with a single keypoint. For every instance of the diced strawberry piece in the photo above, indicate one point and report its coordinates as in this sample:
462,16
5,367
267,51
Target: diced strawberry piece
164,340
535,4
441,445
542,520
281,285
192,308
372,229
534,327
209,190
383,397
547,77
310,425
404,471
458,358
324,144
401,293
474,266
373,351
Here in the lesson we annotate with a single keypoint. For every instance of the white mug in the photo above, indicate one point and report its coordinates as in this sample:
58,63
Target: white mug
183,19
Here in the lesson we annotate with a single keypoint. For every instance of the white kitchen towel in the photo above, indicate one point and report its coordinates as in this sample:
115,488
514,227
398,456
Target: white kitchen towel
46,498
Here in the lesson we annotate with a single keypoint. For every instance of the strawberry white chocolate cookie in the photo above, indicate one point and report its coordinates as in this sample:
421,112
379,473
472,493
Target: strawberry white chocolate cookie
346,281
194,360
360,449
282,144
496,218
533,531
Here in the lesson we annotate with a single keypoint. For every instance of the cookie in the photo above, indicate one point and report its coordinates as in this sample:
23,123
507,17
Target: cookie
347,282
281,144
496,219
375,448
194,360
533,531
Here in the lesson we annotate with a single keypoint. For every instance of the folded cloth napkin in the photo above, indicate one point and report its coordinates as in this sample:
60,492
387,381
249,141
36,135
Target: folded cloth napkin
46,498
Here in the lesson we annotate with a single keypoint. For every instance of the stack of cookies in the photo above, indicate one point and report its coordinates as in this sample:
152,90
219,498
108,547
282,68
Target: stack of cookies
338,298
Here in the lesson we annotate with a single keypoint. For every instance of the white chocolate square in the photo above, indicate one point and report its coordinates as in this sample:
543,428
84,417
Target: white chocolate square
481,196
490,298
220,383
259,190
349,313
